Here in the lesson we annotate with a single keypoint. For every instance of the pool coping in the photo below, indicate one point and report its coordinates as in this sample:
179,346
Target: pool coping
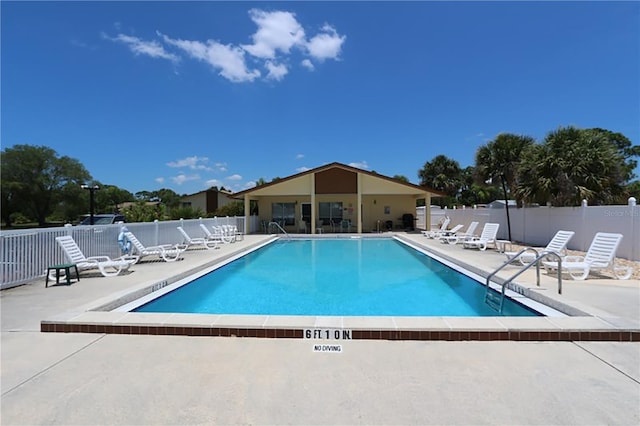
99,317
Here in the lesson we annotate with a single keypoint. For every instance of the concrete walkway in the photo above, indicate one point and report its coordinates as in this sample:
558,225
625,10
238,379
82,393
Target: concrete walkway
68,379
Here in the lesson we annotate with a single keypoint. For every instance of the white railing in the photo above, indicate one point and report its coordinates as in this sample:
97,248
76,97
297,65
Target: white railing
535,226
26,254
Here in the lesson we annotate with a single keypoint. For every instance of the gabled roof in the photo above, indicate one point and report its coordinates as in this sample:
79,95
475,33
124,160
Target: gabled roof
416,188
221,191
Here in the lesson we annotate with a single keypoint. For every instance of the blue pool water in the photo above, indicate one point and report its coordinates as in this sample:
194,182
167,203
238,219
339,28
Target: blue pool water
359,277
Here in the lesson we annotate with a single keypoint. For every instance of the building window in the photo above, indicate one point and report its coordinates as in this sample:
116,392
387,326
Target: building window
330,213
283,213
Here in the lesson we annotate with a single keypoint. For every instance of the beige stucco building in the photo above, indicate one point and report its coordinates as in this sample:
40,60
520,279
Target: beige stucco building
337,198
208,200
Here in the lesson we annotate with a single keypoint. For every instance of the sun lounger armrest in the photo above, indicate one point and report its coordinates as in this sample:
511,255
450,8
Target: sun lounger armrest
98,258
573,259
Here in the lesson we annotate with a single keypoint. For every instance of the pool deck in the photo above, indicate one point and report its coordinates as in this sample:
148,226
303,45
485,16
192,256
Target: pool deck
100,376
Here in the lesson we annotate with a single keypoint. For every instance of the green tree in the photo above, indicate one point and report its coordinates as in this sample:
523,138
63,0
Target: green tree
571,165
633,190
472,192
235,208
186,212
401,178
442,174
32,179
500,159
167,197
142,211
109,197
625,148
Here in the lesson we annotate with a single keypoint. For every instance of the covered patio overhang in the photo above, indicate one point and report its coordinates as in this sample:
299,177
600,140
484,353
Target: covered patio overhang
363,201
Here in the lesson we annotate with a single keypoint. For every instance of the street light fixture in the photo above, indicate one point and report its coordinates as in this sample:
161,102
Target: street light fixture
91,189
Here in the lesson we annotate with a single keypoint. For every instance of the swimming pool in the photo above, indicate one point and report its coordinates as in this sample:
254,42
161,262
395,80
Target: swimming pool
346,277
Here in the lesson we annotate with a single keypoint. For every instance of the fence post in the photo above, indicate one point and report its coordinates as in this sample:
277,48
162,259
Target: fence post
583,226
156,231
632,207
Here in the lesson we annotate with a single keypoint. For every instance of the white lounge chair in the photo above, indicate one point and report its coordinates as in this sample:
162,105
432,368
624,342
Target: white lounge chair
198,241
557,245
461,237
167,252
488,236
230,231
108,267
600,256
436,232
450,232
216,235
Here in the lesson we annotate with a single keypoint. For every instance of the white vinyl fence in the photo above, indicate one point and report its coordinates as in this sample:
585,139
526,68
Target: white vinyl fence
536,226
26,254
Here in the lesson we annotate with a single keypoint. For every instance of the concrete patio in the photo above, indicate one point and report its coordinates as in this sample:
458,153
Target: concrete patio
94,378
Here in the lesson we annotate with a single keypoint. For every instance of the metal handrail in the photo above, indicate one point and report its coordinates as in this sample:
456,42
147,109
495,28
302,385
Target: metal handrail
277,225
535,262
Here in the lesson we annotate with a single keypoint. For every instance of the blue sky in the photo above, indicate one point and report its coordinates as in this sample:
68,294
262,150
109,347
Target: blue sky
151,95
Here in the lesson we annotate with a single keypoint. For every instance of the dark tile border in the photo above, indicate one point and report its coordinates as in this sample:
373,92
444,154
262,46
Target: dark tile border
286,333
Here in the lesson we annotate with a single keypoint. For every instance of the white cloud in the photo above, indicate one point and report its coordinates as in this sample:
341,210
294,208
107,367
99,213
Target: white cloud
234,177
224,57
326,45
213,182
277,31
308,64
250,184
361,165
278,35
141,47
182,178
276,71
302,169
193,163
220,167
159,179
299,156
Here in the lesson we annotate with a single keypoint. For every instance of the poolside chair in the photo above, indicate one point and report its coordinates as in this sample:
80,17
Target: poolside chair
449,232
216,235
461,237
198,241
108,267
436,232
557,245
231,231
600,256
167,252
488,236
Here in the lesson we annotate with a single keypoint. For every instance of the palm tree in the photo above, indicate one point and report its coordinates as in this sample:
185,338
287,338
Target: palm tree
500,159
442,174
573,165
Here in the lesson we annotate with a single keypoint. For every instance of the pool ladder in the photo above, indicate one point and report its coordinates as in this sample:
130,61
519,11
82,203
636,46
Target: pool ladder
496,300
278,228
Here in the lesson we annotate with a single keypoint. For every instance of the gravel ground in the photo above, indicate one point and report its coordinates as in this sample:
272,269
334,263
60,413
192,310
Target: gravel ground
619,261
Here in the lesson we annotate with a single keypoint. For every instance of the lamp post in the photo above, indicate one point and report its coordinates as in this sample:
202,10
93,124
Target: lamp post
91,189
506,203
